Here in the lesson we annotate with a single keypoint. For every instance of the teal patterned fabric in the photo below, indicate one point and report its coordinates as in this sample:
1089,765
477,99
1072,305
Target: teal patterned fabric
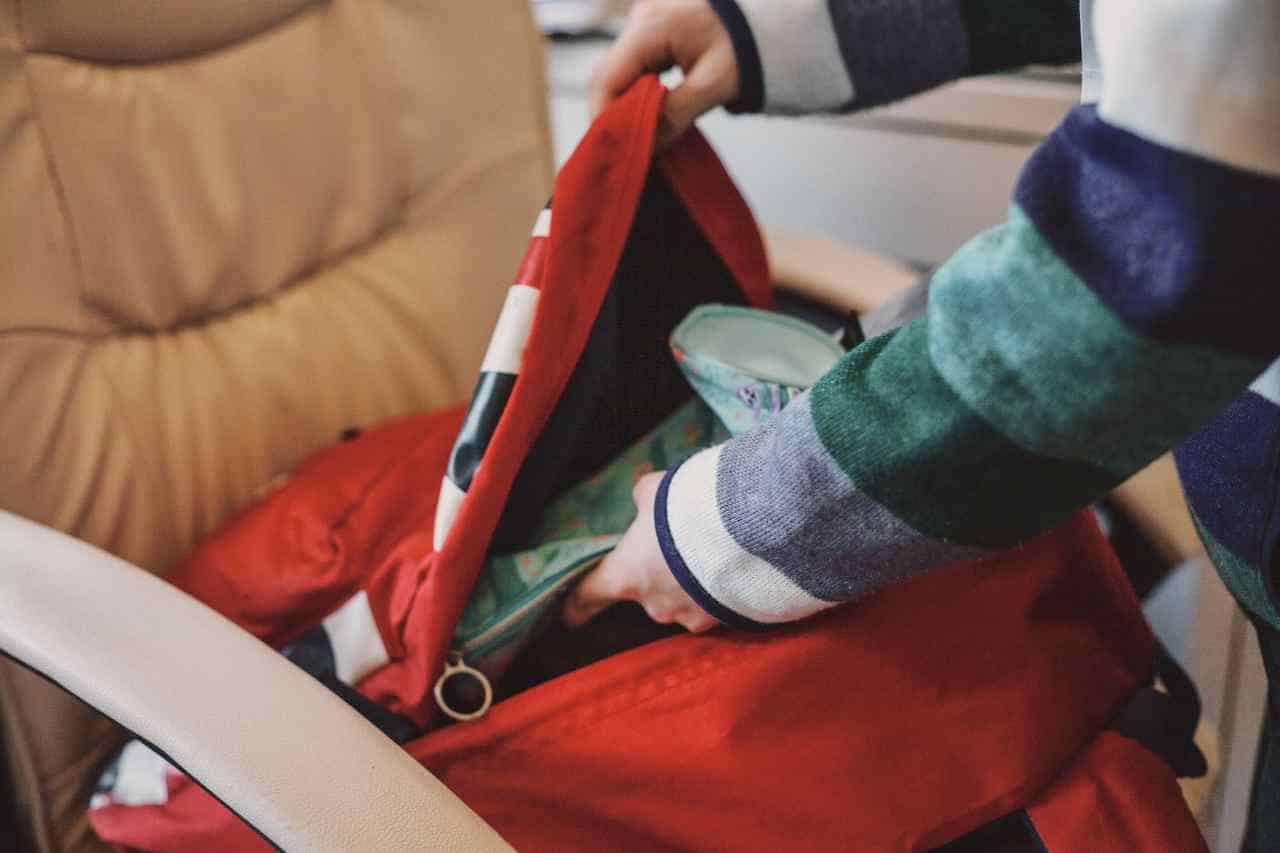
516,592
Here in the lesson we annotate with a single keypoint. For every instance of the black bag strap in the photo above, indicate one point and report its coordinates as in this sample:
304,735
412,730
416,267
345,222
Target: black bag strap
1162,716
1165,720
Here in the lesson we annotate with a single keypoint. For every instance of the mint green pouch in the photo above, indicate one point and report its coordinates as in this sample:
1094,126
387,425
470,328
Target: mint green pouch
745,365
748,364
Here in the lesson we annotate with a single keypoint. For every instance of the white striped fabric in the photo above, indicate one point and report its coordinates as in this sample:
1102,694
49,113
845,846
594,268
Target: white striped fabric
447,506
506,346
542,225
357,644
141,779
1268,384
502,358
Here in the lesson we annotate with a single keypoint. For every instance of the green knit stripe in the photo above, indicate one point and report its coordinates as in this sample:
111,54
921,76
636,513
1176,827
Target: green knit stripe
1242,578
901,434
1030,348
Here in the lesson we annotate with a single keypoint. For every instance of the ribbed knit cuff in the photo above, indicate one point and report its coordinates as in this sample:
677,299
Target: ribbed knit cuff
731,583
750,78
680,569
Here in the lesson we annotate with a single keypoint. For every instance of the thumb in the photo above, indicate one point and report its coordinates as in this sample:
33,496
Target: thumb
594,593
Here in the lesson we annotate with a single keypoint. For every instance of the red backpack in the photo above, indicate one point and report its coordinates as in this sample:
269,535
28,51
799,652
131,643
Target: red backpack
989,703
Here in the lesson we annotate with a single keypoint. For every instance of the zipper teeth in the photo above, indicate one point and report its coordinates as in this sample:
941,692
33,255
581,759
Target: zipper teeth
470,654
516,615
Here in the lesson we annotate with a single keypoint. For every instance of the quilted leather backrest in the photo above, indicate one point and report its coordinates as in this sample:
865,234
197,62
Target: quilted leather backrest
232,229
228,231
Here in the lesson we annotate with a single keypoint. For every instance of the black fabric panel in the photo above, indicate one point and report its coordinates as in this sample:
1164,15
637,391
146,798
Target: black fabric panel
1145,566
626,380
1006,34
1165,722
624,384
12,826
488,401
1013,833
559,650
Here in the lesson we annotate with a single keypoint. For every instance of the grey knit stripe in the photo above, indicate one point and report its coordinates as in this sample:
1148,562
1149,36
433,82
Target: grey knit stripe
896,47
1268,384
783,499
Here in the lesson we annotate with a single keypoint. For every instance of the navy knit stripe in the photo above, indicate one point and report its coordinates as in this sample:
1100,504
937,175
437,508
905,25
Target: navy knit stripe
895,49
1182,249
1229,471
680,569
750,74
488,402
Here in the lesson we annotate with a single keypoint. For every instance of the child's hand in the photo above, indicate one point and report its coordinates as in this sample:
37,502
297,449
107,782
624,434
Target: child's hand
663,33
636,571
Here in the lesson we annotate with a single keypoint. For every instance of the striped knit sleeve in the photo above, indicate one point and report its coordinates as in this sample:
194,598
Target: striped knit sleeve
799,56
1129,298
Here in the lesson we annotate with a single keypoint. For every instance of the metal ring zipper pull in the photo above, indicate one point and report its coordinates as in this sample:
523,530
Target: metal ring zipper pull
456,667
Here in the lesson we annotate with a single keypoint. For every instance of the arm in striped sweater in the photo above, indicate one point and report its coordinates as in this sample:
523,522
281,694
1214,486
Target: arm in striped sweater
812,55
1130,297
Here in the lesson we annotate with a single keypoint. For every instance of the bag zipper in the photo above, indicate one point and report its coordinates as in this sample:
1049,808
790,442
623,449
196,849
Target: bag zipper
512,619
493,636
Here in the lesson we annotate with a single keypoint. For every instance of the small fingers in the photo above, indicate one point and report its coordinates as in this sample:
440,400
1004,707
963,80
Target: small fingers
712,81
697,621
645,490
693,618
678,610
643,47
602,587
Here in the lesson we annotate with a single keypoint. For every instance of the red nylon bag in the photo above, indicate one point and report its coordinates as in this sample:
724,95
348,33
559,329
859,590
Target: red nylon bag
901,722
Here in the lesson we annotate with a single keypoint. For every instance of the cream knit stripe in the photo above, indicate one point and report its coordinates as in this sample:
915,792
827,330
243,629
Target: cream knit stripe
799,56
743,583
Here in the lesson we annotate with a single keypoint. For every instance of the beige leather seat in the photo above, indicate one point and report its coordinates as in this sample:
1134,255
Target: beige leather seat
228,231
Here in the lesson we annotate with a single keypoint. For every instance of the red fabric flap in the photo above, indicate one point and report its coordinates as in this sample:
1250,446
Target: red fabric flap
898,723
1116,798
895,724
283,564
596,196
